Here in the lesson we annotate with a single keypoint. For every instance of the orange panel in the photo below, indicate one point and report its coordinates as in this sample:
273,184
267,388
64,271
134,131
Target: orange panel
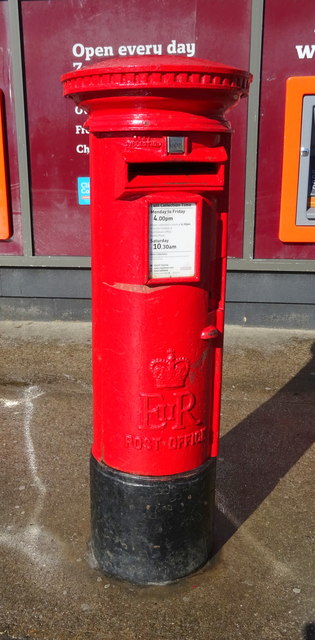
5,226
297,88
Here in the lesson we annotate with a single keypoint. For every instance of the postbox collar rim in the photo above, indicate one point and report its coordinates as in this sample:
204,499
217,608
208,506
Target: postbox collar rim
139,71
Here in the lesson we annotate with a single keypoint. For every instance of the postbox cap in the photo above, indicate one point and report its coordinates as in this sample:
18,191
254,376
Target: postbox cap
153,72
176,93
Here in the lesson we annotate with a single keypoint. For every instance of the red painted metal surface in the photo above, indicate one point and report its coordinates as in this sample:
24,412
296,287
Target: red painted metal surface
157,336
69,34
288,50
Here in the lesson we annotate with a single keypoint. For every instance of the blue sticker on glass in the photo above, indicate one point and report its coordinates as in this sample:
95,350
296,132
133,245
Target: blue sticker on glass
84,190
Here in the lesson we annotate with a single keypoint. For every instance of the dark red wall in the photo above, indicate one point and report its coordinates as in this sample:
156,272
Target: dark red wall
287,25
220,31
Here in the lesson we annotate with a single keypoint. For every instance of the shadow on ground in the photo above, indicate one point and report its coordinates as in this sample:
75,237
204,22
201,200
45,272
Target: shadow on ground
261,449
309,631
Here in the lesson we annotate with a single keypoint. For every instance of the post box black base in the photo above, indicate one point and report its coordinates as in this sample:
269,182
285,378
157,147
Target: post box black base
152,530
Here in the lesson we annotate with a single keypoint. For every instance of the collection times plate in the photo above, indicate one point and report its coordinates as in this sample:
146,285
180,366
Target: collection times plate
172,240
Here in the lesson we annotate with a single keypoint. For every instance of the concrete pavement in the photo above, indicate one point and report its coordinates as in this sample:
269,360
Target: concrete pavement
259,584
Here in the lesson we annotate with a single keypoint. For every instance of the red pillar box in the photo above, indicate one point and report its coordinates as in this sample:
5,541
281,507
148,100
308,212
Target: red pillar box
159,150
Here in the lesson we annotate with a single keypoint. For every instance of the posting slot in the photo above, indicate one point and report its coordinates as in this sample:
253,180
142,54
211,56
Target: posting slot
174,174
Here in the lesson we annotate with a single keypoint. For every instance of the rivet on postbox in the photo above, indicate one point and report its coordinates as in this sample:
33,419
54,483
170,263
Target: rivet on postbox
159,146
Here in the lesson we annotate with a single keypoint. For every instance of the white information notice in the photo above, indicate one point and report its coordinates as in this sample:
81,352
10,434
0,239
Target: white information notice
172,240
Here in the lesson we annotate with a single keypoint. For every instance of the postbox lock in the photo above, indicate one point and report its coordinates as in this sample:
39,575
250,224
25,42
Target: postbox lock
176,144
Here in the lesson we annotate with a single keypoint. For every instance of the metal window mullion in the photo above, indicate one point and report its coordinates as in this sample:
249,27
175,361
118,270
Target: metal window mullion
274,265
20,115
256,39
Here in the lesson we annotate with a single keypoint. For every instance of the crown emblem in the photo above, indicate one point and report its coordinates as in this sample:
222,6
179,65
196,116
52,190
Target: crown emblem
170,371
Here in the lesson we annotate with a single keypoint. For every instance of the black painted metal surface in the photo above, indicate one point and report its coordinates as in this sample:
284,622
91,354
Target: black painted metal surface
152,530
